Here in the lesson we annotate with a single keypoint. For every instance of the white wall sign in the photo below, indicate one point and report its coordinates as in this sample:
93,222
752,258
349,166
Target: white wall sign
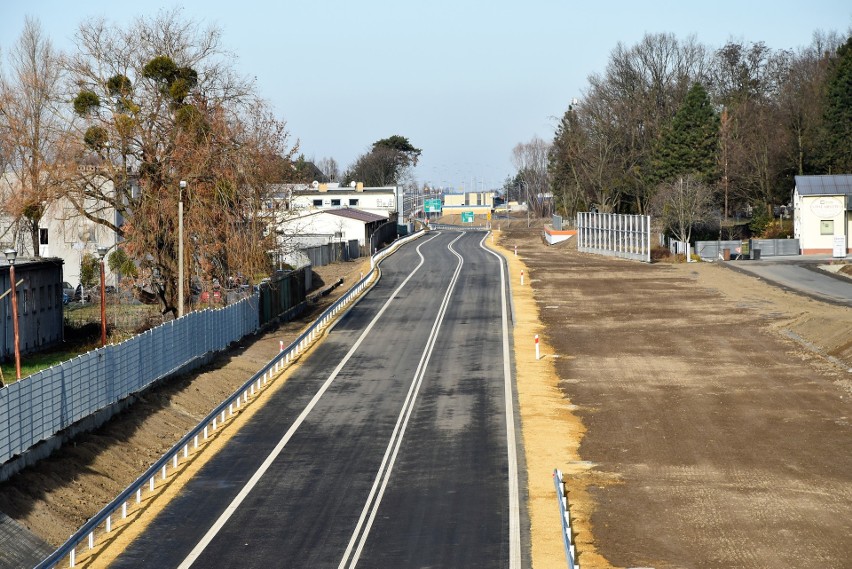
839,249
826,208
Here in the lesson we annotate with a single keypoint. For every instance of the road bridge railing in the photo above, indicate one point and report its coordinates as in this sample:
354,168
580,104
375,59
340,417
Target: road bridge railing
101,524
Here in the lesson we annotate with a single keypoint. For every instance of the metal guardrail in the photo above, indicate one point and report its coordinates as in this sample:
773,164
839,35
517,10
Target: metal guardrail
565,518
217,417
449,227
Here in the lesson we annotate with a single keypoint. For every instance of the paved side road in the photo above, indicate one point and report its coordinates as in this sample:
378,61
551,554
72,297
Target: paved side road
798,275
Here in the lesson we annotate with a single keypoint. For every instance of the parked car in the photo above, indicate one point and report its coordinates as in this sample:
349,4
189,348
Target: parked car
81,294
67,289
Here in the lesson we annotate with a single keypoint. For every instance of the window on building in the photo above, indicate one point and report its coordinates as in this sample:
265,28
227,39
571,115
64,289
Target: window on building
335,203
353,201
42,236
317,203
826,227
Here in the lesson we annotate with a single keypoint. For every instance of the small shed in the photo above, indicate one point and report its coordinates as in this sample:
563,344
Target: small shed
39,296
822,214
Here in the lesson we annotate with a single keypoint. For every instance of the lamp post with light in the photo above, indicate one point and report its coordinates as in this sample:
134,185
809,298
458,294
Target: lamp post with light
102,251
10,256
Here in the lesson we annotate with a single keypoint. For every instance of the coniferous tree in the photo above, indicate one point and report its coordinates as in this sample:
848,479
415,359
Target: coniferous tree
689,144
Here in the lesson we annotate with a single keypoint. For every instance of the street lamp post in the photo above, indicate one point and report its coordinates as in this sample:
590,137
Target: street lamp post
102,251
10,256
180,249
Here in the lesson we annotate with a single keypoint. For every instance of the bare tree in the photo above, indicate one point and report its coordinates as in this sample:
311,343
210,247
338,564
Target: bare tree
160,103
530,159
642,88
587,152
682,205
604,146
748,80
34,131
328,166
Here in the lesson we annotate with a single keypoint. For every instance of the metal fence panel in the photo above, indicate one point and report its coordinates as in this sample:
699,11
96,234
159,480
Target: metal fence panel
615,235
776,247
37,407
713,250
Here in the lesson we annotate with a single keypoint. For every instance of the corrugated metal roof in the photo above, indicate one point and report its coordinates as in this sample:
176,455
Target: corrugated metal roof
358,214
833,185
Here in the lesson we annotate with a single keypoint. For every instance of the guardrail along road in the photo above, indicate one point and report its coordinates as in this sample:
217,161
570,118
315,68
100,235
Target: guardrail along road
392,444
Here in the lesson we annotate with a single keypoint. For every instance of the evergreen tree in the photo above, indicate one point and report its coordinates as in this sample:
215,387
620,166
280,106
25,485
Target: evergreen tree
838,112
689,144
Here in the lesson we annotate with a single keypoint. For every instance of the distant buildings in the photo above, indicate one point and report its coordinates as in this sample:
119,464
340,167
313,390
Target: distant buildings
480,203
380,200
307,215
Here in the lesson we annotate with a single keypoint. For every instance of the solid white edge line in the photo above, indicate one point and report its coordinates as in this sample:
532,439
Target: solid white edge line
514,494
255,478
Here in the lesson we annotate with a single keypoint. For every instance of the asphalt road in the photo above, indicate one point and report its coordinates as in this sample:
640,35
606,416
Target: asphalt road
801,276
391,446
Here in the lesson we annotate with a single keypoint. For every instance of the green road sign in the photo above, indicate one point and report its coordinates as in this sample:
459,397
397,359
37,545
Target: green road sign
432,206
467,217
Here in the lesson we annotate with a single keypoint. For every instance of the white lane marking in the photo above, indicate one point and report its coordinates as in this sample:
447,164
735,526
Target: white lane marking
374,499
514,499
252,482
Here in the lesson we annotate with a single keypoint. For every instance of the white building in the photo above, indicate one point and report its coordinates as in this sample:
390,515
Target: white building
63,233
822,218
380,200
311,227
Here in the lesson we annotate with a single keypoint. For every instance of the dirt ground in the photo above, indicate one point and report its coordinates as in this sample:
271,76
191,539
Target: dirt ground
693,430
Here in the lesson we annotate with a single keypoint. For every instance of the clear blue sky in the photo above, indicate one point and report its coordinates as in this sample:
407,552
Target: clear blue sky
463,80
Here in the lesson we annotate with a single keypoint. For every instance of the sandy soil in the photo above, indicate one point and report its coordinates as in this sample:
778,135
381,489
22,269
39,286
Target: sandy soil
693,430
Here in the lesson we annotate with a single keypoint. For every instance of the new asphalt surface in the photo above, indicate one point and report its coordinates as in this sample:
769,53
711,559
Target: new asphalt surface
802,275
386,448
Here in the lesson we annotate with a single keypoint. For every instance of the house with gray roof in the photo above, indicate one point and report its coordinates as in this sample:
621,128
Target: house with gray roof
822,214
